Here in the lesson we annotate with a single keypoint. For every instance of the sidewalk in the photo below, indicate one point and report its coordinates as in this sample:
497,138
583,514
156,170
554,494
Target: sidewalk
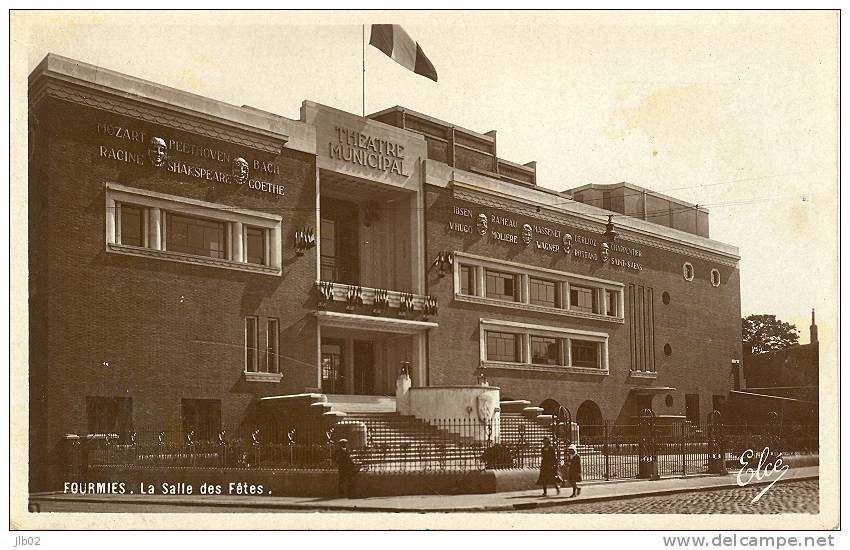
519,500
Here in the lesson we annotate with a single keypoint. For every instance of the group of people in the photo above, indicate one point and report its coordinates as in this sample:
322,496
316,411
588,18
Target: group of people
550,473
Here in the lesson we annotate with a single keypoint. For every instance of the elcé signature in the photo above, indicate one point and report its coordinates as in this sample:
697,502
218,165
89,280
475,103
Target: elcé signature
765,468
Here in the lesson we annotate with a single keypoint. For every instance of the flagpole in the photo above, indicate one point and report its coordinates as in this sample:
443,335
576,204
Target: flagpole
364,69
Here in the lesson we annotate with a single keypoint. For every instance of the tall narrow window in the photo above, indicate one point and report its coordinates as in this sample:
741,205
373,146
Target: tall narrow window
272,341
251,344
132,225
196,236
611,302
467,280
502,286
583,299
543,293
503,346
255,245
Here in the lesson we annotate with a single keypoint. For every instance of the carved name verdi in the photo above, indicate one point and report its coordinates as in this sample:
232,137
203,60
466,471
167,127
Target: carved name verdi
365,150
160,154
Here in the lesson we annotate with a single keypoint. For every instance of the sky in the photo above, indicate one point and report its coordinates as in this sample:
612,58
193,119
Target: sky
736,111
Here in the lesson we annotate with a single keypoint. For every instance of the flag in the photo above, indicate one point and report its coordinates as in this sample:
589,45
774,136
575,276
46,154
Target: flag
396,43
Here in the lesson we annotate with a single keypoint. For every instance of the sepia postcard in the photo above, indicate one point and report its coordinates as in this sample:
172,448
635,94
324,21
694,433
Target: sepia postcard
468,270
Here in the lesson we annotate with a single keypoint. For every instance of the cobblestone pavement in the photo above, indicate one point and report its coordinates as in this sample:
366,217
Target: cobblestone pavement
789,497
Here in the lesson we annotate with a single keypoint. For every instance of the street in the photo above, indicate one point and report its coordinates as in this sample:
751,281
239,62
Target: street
790,497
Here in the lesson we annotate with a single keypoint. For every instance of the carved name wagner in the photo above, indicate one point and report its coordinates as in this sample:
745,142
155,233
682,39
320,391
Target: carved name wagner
505,229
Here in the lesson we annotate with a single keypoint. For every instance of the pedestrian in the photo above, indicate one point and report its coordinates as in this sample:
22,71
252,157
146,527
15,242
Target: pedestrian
573,469
548,466
347,468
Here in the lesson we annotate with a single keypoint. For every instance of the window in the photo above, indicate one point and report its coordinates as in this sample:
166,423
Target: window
584,353
668,351
328,248
332,366
583,299
611,303
543,293
202,418
501,286
688,271
715,278
190,231
110,415
503,347
251,344
467,280
545,351
132,225
255,245
272,341
665,297
196,236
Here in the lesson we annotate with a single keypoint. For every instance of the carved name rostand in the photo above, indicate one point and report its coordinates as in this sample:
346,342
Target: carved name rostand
547,239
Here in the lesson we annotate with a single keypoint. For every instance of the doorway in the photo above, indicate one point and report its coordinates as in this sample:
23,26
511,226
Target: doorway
364,367
333,366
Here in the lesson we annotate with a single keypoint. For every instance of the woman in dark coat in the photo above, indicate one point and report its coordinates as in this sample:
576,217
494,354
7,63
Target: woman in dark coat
548,467
573,469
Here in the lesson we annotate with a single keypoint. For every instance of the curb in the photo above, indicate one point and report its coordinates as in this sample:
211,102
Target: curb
562,501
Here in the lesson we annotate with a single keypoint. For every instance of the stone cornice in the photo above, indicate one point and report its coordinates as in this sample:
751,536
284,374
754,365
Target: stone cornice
84,84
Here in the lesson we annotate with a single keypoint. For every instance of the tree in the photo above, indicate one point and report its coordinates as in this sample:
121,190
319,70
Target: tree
761,333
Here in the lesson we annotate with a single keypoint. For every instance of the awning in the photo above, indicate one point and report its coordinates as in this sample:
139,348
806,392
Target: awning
367,322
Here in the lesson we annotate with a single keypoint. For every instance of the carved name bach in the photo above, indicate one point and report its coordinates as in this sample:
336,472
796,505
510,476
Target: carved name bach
508,230
359,148
159,155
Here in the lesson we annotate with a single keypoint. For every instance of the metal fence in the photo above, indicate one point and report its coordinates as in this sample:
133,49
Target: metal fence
393,443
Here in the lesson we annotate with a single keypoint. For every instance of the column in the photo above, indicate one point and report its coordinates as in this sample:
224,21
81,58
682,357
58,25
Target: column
111,215
154,228
237,239
276,244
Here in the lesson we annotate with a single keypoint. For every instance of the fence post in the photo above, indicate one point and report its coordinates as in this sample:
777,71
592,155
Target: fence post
683,426
605,448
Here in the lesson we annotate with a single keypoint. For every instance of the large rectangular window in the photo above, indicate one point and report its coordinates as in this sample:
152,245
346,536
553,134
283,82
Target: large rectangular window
503,347
584,353
611,303
251,344
583,299
196,236
467,280
201,418
132,225
545,350
109,415
502,286
543,293
255,245
272,341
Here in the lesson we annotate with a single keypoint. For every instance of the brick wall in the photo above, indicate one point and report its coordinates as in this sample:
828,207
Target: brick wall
701,323
167,330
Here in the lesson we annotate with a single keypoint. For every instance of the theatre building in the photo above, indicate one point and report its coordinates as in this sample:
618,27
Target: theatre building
196,266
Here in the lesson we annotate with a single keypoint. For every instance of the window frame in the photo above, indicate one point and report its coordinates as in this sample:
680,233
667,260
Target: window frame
156,208
526,331
479,265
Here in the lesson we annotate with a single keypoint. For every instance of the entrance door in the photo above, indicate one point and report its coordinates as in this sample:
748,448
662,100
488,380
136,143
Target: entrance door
332,366
692,408
364,368
643,401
